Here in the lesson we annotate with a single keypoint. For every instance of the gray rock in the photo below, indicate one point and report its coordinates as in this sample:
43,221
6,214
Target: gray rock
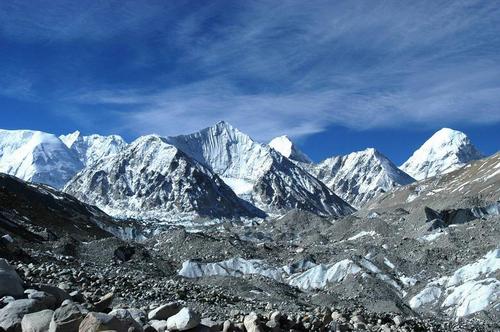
12,314
138,315
67,318
253,323
148,328
104,302
211,325
6,300
165,311
10,282
48,300
77,296
227,326
58,293
159,325
124,316
37,321
184,320
98,321
398,320
274,320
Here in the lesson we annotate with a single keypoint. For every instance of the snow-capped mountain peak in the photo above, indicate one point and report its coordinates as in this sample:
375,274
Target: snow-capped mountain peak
152,179
287,148
93,148
37,157
359,176
70,139
445,151
258,173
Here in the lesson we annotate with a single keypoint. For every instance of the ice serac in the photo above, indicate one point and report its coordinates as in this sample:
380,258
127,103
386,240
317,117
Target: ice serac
359,176
38,157
287,148
93,148
446,151
259,174
152,179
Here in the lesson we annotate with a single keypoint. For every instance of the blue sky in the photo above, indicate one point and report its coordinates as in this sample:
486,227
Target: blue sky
337,76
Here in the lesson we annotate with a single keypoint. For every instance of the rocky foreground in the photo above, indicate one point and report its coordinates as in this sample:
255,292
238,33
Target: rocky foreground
60,293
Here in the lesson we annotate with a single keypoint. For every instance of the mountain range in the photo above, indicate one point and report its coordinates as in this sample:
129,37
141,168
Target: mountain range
218,172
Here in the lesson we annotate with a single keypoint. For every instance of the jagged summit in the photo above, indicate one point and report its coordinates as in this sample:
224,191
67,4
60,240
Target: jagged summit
152,179
93,148
258,173
70,139
37,157
285,146
360,176
445,151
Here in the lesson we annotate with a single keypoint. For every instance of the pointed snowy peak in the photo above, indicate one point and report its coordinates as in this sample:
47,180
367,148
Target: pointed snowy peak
360,176
258,173
446,151
287,148
152,179
36,156
70,139
93,148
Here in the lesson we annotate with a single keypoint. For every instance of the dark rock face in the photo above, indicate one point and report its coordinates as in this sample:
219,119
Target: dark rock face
124,253
444,218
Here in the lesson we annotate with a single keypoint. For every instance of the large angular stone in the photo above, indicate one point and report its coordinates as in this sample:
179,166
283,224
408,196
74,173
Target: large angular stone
37,321
10,282
124,316
165,311
98,321
12,314
67,318
60,294
184,320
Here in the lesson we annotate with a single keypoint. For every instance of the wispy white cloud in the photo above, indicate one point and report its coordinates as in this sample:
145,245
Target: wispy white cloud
283,67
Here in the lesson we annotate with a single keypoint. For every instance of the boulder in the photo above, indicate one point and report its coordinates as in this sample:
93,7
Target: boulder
10,282
58,293
165,311
124,316
48,300
184,320
98,321
138,315
275,319
211,325
37,321
148,328
253,323
104,302
159,325
12,314
227,326
77,296
67,318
